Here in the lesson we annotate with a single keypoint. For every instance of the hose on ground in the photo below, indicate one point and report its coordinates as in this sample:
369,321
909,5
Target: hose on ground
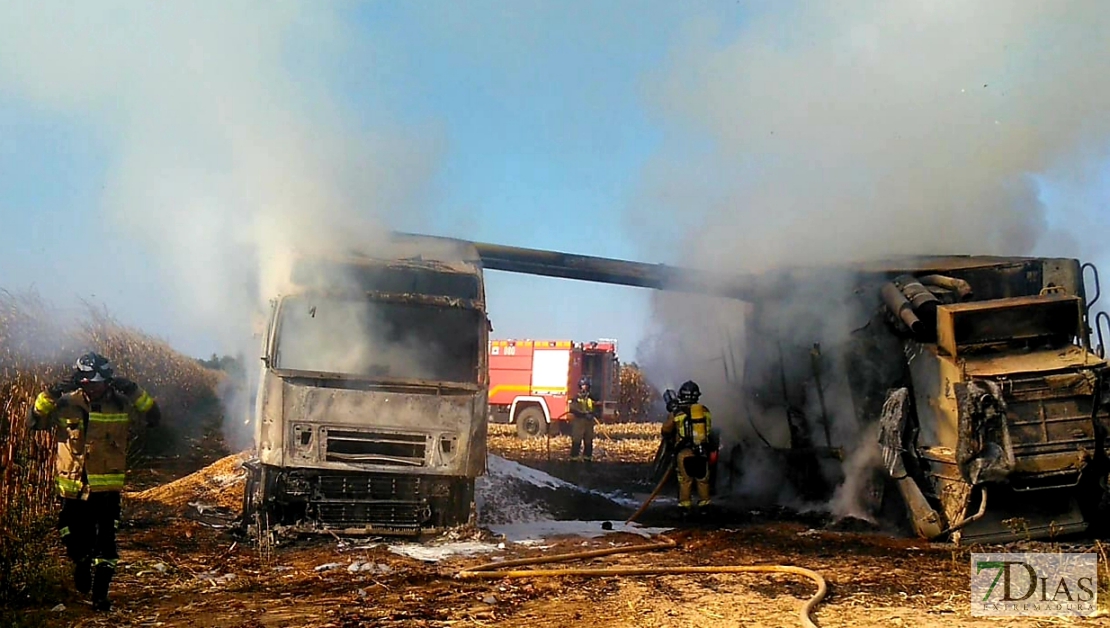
654,494
500,570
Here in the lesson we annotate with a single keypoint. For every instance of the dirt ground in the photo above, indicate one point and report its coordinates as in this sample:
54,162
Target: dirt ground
181,565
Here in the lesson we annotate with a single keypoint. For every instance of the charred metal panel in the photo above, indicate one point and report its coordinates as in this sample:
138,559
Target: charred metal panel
1050,320
353,429
395,279
925,374
1066,274
1066,358
934,378
1050,422
270,429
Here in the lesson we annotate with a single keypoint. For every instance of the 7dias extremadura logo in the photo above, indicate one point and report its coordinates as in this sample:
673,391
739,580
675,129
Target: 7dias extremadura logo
1034,584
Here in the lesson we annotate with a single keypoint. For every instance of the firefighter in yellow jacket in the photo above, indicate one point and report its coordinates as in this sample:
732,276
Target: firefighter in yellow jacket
91,414
584,410
688,426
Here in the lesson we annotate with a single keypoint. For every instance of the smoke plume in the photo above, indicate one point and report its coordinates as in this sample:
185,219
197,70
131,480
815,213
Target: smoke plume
825,132
228,148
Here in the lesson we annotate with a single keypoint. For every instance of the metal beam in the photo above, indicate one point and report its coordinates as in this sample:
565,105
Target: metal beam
611,271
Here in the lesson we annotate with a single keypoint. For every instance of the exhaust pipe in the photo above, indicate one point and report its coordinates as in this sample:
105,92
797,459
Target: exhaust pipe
959,286
923,302
900,306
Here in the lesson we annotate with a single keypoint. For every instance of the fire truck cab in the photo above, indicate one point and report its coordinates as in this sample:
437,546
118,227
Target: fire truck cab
532,381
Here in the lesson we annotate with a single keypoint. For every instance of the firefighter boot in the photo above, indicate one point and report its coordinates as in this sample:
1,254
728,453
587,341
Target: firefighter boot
102,577
82,575
703,495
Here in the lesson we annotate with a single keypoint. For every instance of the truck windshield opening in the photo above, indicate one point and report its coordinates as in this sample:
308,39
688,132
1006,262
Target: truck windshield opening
378,339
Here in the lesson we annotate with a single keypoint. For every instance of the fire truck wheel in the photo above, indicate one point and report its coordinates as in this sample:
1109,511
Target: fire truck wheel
530,423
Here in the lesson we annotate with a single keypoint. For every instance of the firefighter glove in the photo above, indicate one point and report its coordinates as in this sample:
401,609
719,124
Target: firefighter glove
60,392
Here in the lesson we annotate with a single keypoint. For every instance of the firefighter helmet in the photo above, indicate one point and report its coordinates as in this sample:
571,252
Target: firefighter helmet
584,384
689,392
92,367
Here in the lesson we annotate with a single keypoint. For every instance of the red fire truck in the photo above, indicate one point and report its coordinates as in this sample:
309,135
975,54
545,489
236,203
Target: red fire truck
530,380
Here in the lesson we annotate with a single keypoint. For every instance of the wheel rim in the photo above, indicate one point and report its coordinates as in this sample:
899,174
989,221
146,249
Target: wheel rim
532,426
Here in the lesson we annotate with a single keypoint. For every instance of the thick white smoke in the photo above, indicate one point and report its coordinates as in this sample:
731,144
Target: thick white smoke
823,132
227,146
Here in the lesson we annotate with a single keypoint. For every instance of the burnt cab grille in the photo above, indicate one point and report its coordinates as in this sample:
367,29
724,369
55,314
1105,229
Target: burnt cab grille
377,501
384,448
381,515
384,502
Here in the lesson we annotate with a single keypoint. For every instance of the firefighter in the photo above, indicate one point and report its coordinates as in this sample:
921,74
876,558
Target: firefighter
688,427
91,412
584,410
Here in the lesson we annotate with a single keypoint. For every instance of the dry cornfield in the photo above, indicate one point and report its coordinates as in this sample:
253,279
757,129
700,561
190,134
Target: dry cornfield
37,346
640,399
613,442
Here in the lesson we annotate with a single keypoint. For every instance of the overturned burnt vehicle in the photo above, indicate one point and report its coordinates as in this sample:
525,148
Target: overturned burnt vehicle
370,415
976,376
963,390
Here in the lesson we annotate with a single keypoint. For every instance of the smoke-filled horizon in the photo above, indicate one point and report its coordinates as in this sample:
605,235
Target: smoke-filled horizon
829,132
824,132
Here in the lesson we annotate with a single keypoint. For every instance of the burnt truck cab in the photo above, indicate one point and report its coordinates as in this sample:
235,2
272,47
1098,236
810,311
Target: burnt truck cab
371,409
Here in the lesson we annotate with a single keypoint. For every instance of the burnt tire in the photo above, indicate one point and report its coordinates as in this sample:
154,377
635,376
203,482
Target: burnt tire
531,423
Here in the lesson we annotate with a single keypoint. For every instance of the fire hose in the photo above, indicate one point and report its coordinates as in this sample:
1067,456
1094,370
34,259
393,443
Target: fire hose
498,570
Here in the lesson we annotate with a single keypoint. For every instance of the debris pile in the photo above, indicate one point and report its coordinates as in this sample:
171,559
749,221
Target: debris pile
219,485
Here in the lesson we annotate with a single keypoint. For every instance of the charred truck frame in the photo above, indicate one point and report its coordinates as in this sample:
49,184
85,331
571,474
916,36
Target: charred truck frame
371,409
972,379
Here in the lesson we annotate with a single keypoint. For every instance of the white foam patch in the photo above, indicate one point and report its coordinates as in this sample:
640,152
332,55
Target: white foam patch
501,496
500,467
436,553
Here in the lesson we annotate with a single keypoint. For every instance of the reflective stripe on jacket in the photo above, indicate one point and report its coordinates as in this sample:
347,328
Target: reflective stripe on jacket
583,406
92,438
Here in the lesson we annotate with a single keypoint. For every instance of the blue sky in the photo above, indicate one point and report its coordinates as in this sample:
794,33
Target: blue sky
612,129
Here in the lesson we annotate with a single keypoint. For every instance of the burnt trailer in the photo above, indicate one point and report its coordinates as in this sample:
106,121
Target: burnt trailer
371,409
973,379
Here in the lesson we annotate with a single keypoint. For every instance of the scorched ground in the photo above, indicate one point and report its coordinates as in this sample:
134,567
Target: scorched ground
183,565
